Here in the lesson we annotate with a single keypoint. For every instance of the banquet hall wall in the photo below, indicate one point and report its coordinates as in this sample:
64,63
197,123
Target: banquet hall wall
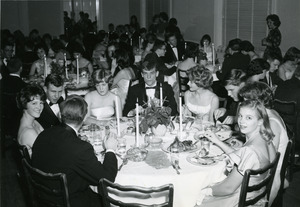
195,17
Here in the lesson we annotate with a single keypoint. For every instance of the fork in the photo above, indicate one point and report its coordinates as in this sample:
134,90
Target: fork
125,161
177,164
176,168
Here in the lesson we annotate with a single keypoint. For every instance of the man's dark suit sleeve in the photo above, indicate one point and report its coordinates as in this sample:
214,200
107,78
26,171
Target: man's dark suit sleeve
130,100
168,91
92,170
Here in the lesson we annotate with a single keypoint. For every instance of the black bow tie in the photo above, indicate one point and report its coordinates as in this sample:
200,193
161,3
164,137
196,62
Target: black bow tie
51,104
153,87
173,46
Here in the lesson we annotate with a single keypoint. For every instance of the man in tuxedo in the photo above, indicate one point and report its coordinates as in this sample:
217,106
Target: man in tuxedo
149,88
11,85
174,50
54,86
59,150
159,51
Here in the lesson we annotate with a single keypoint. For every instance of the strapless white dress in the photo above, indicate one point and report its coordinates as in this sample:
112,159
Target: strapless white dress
103,112
202,111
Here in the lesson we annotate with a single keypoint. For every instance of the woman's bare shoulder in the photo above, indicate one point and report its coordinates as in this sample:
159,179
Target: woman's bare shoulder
26,134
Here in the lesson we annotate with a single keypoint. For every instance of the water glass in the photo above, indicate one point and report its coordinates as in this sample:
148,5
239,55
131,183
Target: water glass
205,144
122,146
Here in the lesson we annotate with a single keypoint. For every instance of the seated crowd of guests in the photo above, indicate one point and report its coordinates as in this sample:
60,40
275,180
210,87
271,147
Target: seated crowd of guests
48,123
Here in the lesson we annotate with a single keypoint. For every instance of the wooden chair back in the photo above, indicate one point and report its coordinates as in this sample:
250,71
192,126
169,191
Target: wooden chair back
48,189
109,189
262,189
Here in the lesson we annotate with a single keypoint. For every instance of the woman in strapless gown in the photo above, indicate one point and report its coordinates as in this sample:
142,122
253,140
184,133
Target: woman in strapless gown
102,103
200,100
31,99
38,66
85,66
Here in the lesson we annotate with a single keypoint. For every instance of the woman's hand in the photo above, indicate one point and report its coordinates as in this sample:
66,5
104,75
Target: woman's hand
229,120
219,113
211,136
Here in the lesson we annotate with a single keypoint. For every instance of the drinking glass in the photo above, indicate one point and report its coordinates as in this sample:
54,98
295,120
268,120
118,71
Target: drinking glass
122,147
205,144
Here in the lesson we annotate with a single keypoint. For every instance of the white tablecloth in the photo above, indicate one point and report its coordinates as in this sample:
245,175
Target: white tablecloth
187,185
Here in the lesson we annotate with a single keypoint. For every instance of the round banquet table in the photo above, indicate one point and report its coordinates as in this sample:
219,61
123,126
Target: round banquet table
187,184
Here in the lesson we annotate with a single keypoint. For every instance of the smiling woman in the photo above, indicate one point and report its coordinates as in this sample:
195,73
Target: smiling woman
31,99
102,102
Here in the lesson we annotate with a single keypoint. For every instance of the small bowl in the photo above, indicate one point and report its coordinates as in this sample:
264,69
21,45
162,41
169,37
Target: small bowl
155,142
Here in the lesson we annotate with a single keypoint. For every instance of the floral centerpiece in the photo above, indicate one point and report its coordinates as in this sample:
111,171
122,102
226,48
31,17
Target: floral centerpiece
155,115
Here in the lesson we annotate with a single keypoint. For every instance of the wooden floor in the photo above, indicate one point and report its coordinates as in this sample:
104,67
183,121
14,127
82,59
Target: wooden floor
12,196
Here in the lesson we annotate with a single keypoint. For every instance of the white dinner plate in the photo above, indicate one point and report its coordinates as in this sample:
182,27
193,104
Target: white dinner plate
202,161
234,143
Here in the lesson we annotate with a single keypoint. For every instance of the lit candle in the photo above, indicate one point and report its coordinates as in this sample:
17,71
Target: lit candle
131,41
45,66
180,116
195,59
161,95
185,45
137,123
118,116
77,69
66,65
213,53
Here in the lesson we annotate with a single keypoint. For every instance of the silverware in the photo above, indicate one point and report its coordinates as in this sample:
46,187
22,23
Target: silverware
125,161
177,171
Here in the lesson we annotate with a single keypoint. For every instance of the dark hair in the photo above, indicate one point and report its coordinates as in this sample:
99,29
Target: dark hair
54,79
273,56
143,30
234,44
41,46
236,78
275,19
164,16
28,93
148,65
158,45
205,37
201,76
173,21
14,65
168,35
258,90
191,51
102,76
246,46
77,48
257,66
122,58
291,54
265,130
73,110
